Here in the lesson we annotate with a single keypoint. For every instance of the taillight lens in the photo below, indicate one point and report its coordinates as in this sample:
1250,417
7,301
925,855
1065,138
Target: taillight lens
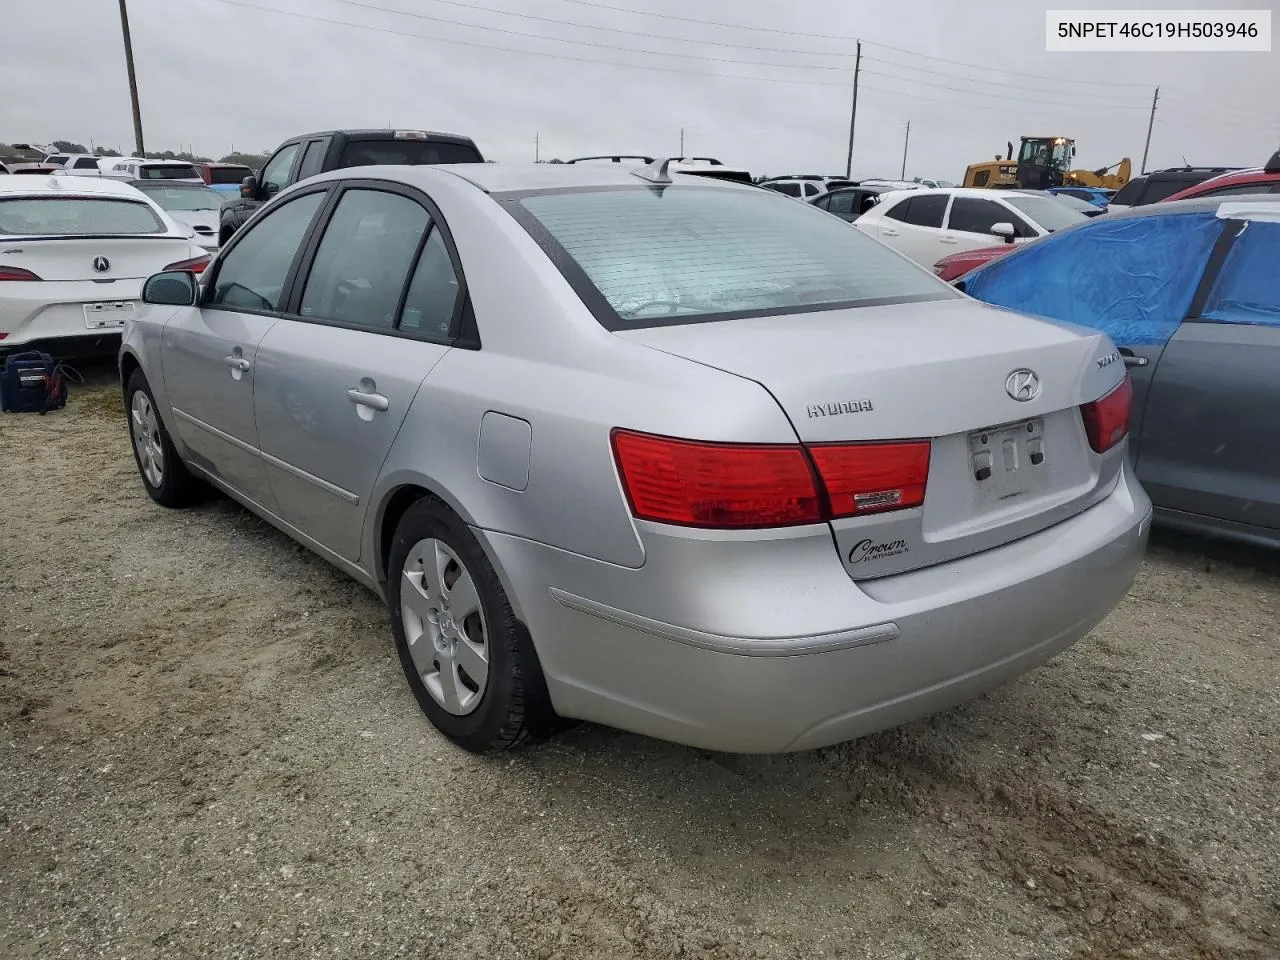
16,273
721,485
741,486
1106,420
194,265
872,477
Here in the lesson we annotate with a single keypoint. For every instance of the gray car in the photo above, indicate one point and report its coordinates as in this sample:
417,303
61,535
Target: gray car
1191,293
672,454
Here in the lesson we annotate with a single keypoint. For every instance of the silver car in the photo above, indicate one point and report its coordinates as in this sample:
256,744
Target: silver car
667,453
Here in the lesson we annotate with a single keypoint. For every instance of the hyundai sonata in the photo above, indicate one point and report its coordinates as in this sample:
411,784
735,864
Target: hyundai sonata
654,450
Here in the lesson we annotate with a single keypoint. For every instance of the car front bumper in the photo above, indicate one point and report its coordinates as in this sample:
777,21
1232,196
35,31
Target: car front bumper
766,645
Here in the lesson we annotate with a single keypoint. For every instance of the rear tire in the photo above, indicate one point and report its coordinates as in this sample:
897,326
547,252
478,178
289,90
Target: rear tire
165,476
468,659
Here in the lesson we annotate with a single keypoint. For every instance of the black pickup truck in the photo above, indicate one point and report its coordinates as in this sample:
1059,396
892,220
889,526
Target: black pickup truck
313,153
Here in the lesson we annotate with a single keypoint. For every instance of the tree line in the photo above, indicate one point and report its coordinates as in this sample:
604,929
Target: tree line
254,160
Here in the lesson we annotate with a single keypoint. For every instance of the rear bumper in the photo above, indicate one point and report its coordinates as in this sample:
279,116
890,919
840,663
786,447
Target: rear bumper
777,649
53,310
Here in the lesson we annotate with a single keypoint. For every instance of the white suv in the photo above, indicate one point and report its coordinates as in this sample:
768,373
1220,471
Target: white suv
927,225
805,186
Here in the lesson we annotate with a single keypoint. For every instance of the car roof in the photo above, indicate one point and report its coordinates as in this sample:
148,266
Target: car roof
70,186
509,177
1269,201
986,193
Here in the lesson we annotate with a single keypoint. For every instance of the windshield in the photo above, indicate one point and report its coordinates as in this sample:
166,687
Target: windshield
75,217
172,196
1049,213
643,256
1084,207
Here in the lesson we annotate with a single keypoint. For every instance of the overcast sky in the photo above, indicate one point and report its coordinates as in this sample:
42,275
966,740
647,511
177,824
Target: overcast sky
218,73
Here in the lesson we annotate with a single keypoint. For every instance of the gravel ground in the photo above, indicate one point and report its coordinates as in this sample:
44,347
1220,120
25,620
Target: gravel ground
207,750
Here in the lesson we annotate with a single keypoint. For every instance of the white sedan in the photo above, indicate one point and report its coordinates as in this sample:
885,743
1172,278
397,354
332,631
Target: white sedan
74,252
927,225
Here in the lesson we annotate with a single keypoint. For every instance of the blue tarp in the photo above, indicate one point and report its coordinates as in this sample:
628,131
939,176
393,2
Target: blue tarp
1248,288
1133,278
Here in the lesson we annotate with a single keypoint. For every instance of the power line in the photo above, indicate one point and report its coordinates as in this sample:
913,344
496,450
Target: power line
952,76
845,39
589,43
592,26
533,53
993,96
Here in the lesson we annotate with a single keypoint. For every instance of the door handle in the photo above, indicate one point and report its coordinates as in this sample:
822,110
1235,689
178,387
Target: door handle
1131,359
888,232
374,401
948,240
238,363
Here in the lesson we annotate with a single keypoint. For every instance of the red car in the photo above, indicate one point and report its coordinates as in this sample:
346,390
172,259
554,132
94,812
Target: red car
956,265
1266,180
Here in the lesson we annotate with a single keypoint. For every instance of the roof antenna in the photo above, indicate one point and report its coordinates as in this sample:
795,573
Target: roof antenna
1184,161
655,172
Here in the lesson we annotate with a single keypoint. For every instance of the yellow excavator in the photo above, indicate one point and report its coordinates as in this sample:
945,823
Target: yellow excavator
1044,162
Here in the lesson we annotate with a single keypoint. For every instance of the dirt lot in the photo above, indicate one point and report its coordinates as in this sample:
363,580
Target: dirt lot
207,750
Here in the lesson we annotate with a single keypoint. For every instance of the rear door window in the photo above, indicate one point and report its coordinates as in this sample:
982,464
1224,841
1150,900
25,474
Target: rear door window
313,159
1247,289
923,211
433,293
1131,193
790,189
643,257
363,260
86,163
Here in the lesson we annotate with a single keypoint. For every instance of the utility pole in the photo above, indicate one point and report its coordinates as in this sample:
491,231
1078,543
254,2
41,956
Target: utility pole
133,80
853,114
905,141
682,141
1150,123
537,146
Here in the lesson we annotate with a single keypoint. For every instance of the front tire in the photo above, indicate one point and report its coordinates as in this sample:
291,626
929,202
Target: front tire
163,473
466,656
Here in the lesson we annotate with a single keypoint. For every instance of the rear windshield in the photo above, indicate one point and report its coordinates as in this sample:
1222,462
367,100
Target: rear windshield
75,217
168,171
1052,214
1158,190
643,256
370,153
228,174
1130,193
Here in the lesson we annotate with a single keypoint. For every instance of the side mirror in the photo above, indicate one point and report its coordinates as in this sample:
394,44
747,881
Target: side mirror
1004,229
174,288
249,188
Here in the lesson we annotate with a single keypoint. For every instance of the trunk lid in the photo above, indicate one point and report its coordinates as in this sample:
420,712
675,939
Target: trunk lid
73,258
939,371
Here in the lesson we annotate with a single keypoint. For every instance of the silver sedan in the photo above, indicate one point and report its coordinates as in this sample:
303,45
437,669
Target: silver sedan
658,451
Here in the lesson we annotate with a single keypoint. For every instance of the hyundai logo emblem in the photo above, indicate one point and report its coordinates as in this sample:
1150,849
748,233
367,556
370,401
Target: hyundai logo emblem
1023,385
101,264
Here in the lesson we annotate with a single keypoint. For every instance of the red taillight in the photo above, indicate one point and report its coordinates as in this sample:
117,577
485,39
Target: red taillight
1106,420
194,265
16,273
716,484
731,485
872,477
